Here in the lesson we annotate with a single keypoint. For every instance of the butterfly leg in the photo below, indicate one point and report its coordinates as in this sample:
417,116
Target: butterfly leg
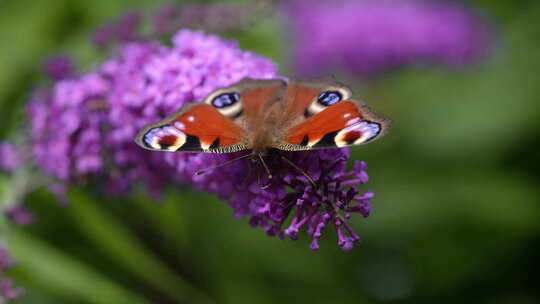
261,164
248,175
220,165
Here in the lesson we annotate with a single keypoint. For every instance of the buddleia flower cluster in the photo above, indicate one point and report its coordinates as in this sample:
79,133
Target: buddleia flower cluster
82,130
309,191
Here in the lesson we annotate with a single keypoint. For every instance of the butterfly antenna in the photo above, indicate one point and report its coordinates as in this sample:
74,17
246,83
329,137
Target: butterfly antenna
206,170
269,175
265,166
309,178
259,181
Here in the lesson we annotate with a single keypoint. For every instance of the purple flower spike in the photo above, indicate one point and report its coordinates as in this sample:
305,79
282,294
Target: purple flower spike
166,19
213,17
127,26
8,291
6,261
306,196
59,67
123,30
369,36
19,215
9,157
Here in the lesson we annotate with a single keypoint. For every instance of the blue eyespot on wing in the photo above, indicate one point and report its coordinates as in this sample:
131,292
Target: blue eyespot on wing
345,123
329,98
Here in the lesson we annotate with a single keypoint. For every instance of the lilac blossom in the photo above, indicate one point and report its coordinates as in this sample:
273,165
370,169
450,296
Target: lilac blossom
368,36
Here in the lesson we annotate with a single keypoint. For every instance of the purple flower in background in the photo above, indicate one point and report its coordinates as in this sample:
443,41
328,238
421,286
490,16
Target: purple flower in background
216,17
170,17
9,157
6,261
8,291
19,215
369,36
124,29
59,67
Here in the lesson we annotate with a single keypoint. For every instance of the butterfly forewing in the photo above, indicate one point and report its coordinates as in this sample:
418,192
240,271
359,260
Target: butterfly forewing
197,128
345,123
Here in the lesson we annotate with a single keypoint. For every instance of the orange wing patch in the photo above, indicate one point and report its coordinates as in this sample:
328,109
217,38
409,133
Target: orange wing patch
298,98
199,128
258,96
342,124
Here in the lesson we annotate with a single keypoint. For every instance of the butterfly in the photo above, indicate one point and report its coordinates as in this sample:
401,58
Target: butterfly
261,115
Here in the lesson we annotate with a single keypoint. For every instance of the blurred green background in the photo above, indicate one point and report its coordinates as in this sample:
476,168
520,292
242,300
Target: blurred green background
456,216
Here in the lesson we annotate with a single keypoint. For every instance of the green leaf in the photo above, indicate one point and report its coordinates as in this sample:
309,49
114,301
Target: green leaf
449,221
473,115
116,241
167,217
417,199
42,265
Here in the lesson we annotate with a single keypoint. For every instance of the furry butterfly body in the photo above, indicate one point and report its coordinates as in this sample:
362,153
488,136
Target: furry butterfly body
261,115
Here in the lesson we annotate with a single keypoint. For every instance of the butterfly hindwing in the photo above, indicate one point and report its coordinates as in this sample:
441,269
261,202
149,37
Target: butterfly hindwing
196,128
343,124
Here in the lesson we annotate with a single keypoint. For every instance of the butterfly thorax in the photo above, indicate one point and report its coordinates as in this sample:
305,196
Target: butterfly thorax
267,128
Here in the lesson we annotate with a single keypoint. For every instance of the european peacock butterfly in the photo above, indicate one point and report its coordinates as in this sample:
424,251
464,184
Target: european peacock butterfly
260,115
